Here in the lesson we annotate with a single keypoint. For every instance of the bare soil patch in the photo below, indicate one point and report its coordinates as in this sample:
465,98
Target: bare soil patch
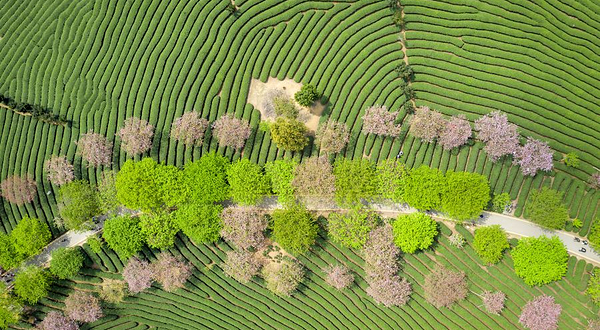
271,255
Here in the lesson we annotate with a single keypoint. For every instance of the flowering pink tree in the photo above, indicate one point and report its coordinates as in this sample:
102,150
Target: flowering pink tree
19,190
380,253
338,276
500,136
241,265
136,135
56,321
332,136
189,129
59,170
595,180
379,121
138,275
83,307
493,301
541,313
94,149
535,155
314,177
244,227
427,124
444,287
456,132
171,272
231,132
391,291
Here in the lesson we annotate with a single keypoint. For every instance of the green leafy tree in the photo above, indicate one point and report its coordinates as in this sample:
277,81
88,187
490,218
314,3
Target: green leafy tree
66,262
159,229
200,222
466,195
391,175
352,229
285,107
500,202
30,236
294,229
281,173
124,235
78,202
490,242
171,185
571,159
248,183
577,224
31,284
540,260
307,95
95,244
9,258
423,188
107,191
207,178
545,208
594,235
10,308
354,180
415,231
593,287
289,134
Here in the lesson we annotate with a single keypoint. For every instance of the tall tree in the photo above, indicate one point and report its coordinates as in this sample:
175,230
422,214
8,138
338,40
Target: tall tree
545,208
59,170
95,149
534,156
231,132
500,136
189,128
465,195
136,135
78,202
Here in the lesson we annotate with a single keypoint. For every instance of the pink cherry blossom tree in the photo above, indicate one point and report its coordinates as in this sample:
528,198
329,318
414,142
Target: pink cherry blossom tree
94,149
231,132
391,291
59,170
83,307
456,132
500,136
332,136
19,190
241,265
138,274
56,321
189,129
380,253
595,180
444,287
541,313
244,227
136,135
426,124
314,178
338,276
379,121
493,301
534,156
171,272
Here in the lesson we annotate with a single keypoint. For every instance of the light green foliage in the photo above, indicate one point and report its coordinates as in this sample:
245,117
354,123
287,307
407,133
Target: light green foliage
354,180
500,202
200,222
285,107
95,244
107,191
466,195
124,235
490,242
9,258
31,284
545,208
78,202
247,181
30,236
307,95
415,231
540,260
593,286
171,185
207,179
594,235
10,308
289,134
577,223
66,262
294,229
571,159
281,173
159,229
391,174
424,187
352,229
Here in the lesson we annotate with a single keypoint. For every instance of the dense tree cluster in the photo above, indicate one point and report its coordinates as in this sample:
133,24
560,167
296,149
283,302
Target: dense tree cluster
124,235
10,307
593,287
19,190
200,222
231,132
534,156
594,235
241,265
83,307
244,227
284,279
338,276
415,231
423,188
107,191
541,313
307,95
379,121
113,290
391,176
28,238
206,178
455,133
136,135
159,229
189,128
465,195
427,124
545,208
314,177
490,242
352,229
78,201
540,260
31,284
294,229
500,202
95,149
444,287
332,136
59,170
500,136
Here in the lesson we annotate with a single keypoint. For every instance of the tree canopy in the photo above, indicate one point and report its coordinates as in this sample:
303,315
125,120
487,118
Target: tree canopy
200,222
466,195
281,173
159,229
490,242
248,183
206,178
124,235
78,202
10,307
66,262
540,260
30,236
415,231
31,284
545,208
354,180
391,177
289,134
294,229
424,187
352,229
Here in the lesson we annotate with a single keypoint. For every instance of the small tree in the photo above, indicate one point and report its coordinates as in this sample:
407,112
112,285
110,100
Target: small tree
490,242
189,129
465,195
294,229
423,188
284,280
338,276
30,236
540,313
500,136
289,134
247,181
31,284
281,173
19,190
136,135
415,231
594,235
534,156
200,222
57,321
171,272
284,107
380,254
332,136
456,132
391,176
83,307
241,265
124,235
112,290
352,229
500,202
78,202
444,287
95,244
9,258
493,301
10,307
594,180
231,132
206,178
571,159
457,240
427,124
95,149
138,274
59,170
540,260
354,180
159,230
545,208
244,227
393,291
66,262
593,287
307,95
377,120
314,177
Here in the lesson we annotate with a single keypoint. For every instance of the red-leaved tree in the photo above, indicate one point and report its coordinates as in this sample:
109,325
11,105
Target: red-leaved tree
534,156
391,291
189,129
94,149
241,265
138,275
19,189
231,132
338,276
59,170
493,301
83,307
56,321
444,287
171,272
541,313
332,136
314,178
500,136
244,227
136,135
456,132
427,124
379,121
